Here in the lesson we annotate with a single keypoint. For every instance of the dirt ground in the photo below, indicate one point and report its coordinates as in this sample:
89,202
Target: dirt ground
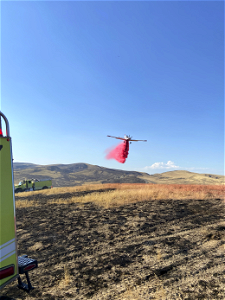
171,249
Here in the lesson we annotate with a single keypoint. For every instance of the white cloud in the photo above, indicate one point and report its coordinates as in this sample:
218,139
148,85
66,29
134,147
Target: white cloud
161,165
170,165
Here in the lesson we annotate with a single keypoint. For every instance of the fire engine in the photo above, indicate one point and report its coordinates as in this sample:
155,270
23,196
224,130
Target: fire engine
32,185
11,265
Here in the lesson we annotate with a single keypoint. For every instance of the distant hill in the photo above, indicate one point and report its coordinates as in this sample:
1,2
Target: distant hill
82,173
186,177
21,166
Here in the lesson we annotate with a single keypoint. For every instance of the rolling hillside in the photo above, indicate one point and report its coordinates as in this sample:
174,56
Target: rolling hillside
82,173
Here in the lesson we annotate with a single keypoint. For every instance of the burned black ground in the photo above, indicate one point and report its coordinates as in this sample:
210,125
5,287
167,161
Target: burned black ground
142,250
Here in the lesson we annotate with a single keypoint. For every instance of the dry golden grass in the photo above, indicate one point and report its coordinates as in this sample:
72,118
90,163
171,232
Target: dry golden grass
25,203
122,194
73,189
130,193
67,278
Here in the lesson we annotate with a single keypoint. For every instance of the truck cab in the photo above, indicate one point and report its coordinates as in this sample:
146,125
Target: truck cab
24,185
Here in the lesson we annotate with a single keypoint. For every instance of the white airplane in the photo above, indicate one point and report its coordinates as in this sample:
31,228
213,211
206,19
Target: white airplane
126,138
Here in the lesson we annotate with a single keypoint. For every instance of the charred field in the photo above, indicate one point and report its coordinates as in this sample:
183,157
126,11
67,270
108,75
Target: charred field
123,242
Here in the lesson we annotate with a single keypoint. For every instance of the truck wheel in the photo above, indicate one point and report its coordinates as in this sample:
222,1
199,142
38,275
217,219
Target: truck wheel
18,190
44,188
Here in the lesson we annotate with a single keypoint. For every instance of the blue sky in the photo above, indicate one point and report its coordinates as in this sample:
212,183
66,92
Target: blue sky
74,72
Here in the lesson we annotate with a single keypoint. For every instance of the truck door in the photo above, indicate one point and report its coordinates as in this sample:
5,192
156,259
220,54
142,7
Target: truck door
8,248
29,184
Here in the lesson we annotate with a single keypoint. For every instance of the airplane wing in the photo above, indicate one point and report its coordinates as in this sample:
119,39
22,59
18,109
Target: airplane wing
138,140
115,137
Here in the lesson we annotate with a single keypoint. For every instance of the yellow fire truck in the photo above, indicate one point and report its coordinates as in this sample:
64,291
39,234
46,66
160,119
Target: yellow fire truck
11,265
33,185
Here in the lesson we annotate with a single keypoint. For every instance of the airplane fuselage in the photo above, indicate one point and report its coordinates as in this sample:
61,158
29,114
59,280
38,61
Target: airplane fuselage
127,138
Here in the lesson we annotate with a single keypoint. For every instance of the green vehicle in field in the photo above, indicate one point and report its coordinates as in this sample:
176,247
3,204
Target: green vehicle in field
32,185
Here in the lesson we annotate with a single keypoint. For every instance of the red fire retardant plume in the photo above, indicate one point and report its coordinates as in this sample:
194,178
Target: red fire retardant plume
119,153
